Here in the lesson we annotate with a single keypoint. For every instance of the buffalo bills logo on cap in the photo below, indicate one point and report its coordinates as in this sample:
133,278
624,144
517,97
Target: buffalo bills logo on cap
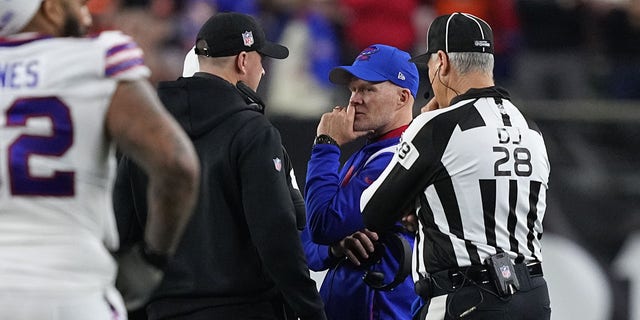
247,37
366,53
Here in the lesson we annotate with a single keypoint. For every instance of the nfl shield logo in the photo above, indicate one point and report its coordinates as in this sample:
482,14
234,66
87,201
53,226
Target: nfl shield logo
247,36
277,163
506,273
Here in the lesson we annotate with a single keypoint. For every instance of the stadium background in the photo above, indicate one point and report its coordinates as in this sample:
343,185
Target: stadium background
571,65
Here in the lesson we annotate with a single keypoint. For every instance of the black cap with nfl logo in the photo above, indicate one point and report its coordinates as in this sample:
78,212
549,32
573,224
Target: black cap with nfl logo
457,32
229,33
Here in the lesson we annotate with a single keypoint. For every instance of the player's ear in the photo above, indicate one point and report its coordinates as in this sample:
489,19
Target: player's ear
52,12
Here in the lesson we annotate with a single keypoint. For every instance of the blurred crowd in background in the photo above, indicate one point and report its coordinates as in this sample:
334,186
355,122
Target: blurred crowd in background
545,49
554,55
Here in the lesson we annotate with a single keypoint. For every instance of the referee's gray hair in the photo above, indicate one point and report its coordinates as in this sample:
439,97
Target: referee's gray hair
466,62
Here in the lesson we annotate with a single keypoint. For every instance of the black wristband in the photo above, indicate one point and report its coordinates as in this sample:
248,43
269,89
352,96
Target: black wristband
325,139
156,259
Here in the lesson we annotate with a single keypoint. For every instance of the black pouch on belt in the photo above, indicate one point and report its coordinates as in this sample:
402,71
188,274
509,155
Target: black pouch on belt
503,274
424,288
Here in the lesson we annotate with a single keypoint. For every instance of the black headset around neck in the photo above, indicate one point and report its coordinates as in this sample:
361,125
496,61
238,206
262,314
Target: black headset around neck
400,248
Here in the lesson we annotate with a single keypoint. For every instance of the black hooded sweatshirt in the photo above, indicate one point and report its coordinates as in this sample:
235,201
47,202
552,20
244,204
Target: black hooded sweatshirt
241,244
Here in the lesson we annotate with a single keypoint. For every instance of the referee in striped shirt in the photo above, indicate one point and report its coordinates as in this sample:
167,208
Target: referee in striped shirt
476,170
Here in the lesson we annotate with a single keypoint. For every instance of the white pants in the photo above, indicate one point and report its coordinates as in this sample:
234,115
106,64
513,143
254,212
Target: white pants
99,305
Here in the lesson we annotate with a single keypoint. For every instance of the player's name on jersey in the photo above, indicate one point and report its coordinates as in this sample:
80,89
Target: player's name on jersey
19,74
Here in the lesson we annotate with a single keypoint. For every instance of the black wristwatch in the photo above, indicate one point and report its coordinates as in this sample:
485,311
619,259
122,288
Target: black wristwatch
325,139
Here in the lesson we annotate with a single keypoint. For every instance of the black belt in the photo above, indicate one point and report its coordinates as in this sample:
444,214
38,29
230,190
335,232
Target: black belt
445,281
480,274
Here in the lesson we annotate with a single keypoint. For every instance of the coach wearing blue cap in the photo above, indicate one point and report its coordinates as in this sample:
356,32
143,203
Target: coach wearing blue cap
362,266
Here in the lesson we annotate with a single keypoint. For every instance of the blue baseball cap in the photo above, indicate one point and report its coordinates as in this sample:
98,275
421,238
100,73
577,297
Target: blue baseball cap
379,63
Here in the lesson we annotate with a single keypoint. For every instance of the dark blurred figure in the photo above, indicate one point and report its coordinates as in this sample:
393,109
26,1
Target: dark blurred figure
621,36
194,13
503,18
310,33
553,62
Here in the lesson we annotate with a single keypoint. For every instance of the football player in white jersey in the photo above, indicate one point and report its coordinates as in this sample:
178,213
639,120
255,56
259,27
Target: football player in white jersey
64,101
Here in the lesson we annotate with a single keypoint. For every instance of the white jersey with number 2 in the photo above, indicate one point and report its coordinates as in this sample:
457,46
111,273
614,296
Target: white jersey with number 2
56,162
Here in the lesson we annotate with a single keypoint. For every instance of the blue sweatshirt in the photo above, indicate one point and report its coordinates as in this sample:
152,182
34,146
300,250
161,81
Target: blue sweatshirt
332,199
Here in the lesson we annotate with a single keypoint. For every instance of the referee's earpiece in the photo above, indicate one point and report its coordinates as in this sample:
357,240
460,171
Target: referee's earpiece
427,94
445,85
436,74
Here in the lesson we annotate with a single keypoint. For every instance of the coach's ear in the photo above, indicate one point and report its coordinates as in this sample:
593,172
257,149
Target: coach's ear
404,98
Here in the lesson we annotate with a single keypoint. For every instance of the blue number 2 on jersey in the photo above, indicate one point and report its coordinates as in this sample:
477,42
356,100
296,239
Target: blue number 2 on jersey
23,183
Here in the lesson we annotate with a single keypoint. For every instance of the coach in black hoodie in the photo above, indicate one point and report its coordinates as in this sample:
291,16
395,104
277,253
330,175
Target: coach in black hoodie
241,255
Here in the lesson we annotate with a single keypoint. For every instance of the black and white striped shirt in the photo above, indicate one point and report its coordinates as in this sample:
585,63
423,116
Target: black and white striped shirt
477,172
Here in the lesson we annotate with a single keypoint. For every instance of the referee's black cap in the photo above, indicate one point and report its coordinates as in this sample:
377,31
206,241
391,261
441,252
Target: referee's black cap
229,33
457,32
